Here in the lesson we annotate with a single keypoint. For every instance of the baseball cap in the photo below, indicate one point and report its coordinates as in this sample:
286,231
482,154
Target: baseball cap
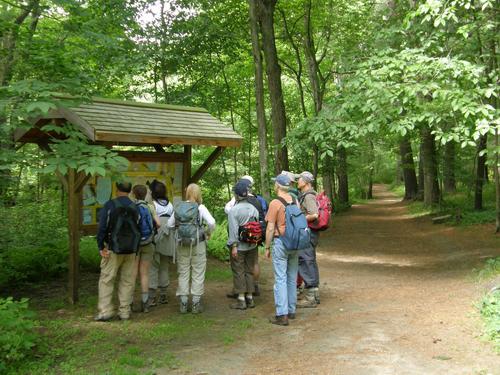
241,188
282,179
292,176
248,178
307,176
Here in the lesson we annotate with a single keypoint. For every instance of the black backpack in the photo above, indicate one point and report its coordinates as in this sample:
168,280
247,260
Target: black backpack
123,228
254,201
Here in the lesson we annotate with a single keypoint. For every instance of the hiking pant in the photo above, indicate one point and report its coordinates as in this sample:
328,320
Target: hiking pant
285,265
124,265
158,272
191,267
308,266
243,267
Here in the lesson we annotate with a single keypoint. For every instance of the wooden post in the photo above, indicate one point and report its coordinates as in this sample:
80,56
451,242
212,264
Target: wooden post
74,237
75,182
186,171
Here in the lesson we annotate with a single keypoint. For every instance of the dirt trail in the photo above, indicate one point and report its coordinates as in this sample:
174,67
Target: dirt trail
397,298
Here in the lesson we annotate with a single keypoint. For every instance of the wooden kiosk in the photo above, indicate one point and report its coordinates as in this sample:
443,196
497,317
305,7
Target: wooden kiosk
111,123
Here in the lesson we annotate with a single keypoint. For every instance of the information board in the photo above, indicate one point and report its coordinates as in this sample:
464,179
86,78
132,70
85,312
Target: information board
101,189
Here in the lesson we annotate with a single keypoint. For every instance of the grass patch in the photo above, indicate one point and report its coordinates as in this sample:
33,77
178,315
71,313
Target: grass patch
490,269
456,204
71,343
489,306
76,345
218,274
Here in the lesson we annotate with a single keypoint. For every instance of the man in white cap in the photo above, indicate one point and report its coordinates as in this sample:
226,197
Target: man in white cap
308,266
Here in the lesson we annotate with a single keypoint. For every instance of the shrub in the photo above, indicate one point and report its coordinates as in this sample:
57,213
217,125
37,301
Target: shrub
217,244
17,331
490,312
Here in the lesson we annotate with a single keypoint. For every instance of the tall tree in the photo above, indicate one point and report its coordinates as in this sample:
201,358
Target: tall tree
273,70
409,175
259,99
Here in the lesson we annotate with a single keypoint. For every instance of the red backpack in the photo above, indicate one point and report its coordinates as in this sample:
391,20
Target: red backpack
251,232
324,212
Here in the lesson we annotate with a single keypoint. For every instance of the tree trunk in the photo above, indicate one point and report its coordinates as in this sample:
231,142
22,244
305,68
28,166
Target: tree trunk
449,182
497,182
328,181
273,70
296,72
409,175
431,184
313,72
420,194
481,162
369,192
259,101
342,174
8,46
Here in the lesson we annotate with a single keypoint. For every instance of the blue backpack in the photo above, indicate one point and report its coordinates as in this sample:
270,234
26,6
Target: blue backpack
263,204
297,234
145,223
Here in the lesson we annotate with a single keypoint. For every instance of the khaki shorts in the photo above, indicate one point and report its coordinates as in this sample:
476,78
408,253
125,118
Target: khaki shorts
146,252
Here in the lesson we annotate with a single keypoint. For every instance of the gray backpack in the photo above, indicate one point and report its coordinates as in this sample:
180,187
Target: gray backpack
187,219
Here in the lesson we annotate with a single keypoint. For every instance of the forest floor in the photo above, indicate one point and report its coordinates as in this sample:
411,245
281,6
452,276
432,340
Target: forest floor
397,297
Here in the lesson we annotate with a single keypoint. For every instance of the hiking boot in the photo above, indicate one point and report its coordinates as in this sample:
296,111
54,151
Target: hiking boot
197,308
291,316
256,292
153,301
232,295
240,304
308,301
103,318
183,309
124,317
316,295
250,303
145,306
280,320
163,300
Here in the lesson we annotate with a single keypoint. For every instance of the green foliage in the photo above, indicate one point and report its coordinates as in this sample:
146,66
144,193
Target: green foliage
490,269
18,333
489,306
490,312
217,244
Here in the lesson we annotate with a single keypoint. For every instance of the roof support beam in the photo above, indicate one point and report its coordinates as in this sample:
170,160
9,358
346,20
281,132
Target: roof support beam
207,164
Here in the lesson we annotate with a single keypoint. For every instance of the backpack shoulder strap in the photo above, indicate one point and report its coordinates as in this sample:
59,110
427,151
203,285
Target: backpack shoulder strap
303,196
284,202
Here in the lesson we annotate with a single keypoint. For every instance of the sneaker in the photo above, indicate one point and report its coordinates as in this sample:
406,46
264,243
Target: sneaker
291,316
124,317
163,299
183,309
316,296
145,307
280,320
250,303
103,318
197,308
308,301
232,295
153,301
256,292
239,305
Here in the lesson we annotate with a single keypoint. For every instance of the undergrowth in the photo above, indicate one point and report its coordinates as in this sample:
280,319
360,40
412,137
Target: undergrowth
489,306
459,205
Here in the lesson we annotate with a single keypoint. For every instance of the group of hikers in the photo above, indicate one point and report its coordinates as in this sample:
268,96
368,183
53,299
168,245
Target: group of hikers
138,238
